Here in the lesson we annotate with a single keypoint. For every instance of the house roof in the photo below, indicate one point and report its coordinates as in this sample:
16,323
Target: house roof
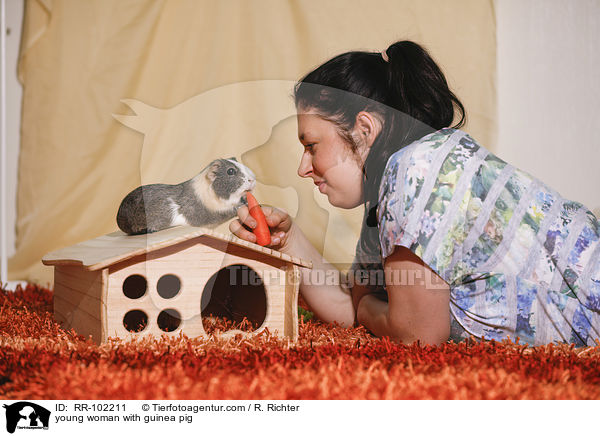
101,252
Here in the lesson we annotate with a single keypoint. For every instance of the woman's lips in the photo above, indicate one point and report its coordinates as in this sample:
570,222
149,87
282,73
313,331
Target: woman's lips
321,186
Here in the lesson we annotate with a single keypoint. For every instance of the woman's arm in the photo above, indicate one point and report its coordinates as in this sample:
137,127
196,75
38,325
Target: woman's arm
418,306
320,286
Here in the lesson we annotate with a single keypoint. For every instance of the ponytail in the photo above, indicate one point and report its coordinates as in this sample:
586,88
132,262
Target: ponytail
417,87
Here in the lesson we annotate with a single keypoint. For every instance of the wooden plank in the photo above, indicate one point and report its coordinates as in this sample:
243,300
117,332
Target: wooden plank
77,286
62,311
79,320
77,299
80,301
103,307
101,252
291,302
79,279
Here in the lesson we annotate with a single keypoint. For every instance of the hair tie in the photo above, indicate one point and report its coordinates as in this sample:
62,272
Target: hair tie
385,56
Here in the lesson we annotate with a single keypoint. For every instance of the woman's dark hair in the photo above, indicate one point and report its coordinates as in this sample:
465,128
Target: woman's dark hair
408,92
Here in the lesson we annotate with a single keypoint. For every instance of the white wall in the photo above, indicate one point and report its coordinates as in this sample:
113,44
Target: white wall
14,18
549,93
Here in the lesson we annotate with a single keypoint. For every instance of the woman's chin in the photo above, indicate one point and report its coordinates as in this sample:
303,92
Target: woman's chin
341,202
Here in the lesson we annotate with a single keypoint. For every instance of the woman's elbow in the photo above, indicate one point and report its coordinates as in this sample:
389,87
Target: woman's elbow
426,335
434,340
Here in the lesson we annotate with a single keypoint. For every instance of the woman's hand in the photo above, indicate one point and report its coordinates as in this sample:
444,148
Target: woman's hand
358,291
329,302
279,222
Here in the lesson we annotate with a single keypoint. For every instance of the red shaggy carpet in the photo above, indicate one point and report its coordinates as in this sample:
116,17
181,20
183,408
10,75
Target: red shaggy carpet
39,360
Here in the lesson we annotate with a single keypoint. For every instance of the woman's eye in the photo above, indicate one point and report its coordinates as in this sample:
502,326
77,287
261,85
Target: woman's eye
231,171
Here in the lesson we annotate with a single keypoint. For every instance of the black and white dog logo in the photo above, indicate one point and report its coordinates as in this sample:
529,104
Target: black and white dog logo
26,415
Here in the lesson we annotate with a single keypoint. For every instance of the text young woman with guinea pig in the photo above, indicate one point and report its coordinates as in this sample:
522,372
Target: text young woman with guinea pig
469,244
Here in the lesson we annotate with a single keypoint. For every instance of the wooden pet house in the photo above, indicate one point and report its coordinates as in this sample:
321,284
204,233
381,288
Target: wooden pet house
166,282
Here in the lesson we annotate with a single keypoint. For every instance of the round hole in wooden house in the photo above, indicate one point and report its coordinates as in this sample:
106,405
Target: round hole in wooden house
169,320
168,286
234,298
135,320
135,286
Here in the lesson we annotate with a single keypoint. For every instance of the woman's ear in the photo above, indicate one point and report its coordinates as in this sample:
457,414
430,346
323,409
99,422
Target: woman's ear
367,127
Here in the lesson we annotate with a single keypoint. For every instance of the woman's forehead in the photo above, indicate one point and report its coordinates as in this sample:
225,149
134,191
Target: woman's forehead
310,124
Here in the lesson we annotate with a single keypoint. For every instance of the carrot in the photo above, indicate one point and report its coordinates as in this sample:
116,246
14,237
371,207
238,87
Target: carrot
262,232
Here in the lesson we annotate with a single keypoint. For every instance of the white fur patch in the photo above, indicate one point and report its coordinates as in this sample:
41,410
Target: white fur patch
249,179
206,195
177,219
245,170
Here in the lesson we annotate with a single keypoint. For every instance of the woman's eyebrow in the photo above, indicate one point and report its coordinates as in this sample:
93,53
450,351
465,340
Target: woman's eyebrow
303,136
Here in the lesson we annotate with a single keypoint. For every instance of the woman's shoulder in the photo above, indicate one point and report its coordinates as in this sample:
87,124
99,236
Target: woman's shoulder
415,159
425,148
418,184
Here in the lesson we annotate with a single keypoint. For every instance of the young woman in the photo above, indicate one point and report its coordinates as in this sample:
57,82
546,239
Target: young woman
468,244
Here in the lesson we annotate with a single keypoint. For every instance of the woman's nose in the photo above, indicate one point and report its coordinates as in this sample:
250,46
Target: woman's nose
305,167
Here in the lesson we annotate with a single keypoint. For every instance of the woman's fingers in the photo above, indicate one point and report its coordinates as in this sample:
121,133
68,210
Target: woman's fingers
240,231
245,218
240,227
277,218
276,238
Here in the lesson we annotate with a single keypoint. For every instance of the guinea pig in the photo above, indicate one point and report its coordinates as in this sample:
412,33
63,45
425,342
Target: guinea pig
207,200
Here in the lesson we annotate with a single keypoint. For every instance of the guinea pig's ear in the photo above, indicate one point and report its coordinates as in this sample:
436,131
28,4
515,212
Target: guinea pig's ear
233,158
213,170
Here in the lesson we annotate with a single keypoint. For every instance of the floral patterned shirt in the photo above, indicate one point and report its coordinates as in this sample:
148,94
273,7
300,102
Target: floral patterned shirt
520,260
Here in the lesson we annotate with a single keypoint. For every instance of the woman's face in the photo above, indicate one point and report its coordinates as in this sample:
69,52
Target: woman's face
329,161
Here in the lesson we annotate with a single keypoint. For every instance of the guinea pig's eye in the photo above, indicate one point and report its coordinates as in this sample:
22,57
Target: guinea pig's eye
231,171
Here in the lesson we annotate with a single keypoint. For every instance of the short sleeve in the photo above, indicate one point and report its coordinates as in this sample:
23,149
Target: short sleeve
418,184
395,194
